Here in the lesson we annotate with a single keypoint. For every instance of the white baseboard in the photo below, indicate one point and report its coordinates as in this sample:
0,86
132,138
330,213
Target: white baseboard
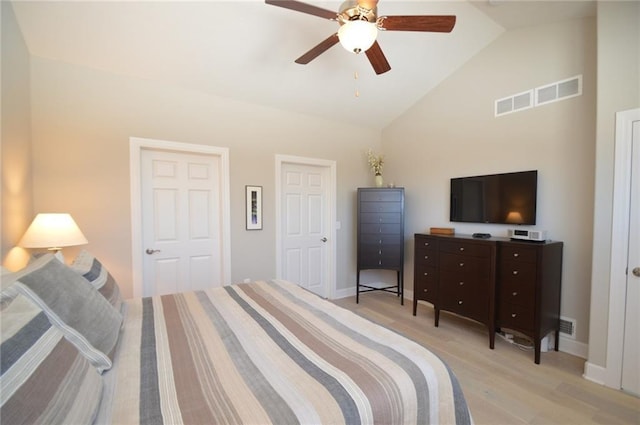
594,373
344,293
571,346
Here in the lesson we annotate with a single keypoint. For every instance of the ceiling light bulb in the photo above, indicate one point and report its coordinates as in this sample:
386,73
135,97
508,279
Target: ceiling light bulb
357,36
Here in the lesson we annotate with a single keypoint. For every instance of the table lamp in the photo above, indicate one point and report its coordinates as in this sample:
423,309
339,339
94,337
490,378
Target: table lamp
53,231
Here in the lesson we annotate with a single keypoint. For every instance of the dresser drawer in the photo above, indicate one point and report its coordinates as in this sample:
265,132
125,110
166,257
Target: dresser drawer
514,292
382,207
425,283
426,257
516,317
519,253
425,243
518,272
462,247
371,228
380,239
380,218
379,256
466,303
459,284
381,195
464,265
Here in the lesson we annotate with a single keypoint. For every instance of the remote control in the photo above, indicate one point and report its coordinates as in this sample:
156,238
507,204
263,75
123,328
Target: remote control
482,235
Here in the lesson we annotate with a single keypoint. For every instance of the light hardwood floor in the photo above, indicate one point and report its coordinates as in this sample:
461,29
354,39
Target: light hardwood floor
504,385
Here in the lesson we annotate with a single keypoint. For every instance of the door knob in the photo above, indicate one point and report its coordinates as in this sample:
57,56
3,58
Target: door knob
323,239
150,251
636,271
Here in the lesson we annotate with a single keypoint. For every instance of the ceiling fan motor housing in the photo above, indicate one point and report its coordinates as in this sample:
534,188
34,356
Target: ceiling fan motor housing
350,10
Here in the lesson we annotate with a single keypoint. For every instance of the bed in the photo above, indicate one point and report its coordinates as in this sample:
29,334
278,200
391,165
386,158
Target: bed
263,352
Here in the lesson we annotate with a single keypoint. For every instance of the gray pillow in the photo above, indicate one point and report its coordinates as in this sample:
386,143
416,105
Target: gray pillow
43,378
84,316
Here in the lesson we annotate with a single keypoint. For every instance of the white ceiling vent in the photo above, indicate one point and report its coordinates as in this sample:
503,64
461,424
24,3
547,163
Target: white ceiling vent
549,93
559,90
514,103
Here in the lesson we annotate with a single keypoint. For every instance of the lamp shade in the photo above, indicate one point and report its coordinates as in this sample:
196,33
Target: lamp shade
357,36
514,217
52,231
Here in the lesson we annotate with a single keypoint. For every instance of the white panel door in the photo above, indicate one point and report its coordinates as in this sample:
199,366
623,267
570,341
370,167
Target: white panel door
304,224
181,222
631,351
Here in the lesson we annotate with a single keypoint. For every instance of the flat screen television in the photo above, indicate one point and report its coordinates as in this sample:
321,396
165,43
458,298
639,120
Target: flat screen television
507,198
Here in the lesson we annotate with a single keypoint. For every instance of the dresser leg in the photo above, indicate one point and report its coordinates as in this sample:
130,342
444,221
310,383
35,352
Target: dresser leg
358,287
401,287
537,350
437,316
557,332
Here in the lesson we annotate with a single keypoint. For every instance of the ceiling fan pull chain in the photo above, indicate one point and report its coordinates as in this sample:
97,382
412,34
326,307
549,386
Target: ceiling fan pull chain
355,77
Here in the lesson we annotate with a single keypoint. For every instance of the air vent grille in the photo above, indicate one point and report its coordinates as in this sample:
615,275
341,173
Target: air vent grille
568,327
514,103
560,90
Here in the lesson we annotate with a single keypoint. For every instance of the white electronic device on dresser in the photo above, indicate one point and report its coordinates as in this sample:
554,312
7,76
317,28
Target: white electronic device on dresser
527,235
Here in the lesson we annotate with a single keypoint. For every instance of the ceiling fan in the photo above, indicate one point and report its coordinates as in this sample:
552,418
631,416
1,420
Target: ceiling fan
359,26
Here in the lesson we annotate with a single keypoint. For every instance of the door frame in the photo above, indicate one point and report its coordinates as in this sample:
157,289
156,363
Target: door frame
619,245
331,206
136,145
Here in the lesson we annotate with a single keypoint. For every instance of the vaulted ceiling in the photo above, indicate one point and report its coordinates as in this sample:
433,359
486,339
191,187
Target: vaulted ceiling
245,49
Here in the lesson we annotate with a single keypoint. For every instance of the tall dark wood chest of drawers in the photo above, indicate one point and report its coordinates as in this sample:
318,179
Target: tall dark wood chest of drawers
381,236
529,284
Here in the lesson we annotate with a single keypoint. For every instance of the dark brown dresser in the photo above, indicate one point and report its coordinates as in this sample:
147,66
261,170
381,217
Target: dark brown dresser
498,282
381,236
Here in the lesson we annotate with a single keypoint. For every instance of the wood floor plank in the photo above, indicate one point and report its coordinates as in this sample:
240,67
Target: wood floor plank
504,385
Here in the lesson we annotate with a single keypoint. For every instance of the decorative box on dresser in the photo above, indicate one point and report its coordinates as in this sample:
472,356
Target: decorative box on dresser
499,282
456,274
529,286
381,236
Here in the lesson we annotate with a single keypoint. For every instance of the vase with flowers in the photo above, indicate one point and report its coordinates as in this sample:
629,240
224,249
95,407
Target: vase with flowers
376,162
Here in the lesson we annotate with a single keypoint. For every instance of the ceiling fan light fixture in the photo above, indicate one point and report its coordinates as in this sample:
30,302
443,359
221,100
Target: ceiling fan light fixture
357,36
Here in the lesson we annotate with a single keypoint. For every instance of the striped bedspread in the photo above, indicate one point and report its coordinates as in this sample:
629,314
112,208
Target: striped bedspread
271,352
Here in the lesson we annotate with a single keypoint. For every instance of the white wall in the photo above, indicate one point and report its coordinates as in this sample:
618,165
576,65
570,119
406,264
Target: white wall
17,211
452,132
618,90
82,120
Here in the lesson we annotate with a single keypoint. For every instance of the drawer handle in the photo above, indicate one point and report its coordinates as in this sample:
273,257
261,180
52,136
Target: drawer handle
515,254
380,220
426,290
426,244
513,315
461,248
426,257
379,262
515,272
380,242
426,273
459,302
379,252
461,283
515,294
461,264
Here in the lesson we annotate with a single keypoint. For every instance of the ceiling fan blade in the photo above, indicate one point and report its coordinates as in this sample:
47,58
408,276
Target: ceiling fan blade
377,59
304,8
430,23
318,50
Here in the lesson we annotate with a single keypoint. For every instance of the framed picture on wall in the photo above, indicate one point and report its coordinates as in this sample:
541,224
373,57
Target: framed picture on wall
254,207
